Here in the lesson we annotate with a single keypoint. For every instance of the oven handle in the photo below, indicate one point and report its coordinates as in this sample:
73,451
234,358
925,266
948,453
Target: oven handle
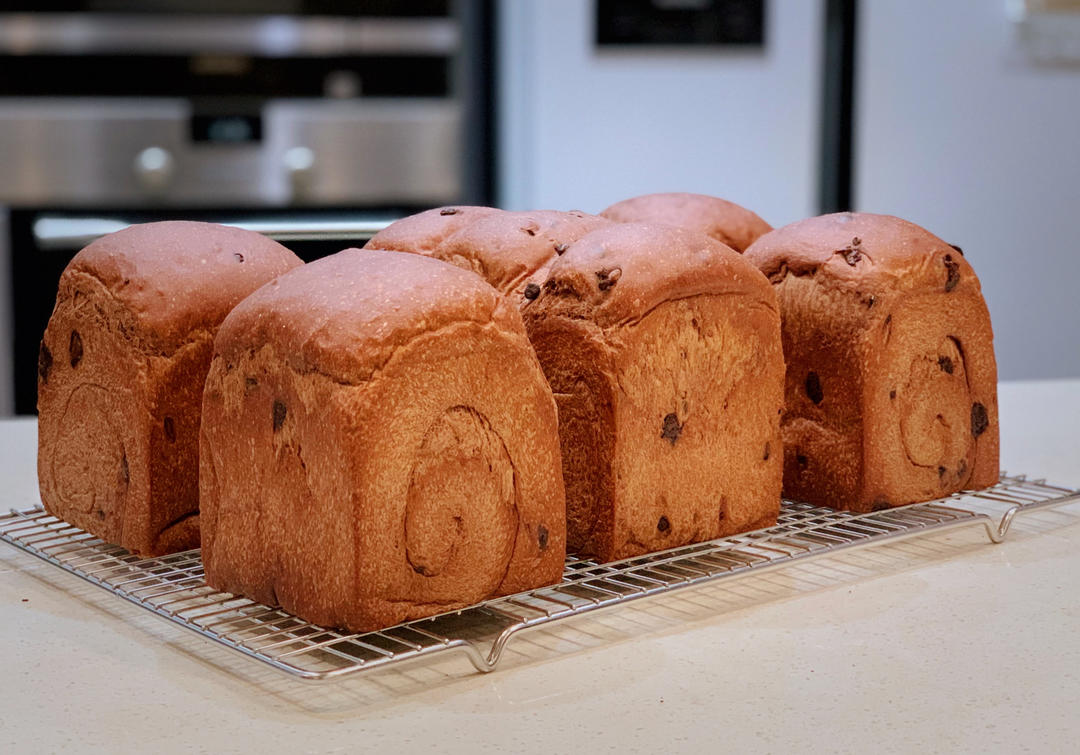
53,232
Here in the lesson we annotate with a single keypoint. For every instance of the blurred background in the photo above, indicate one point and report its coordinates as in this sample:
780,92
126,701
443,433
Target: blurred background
319,121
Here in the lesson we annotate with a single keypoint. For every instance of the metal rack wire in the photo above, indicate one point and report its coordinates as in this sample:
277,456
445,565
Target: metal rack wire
173,587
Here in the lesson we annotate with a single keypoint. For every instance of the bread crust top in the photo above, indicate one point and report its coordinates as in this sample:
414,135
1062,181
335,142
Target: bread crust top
426,231
718,218
504,248
849,249
507,247
177,277
619,273
347,314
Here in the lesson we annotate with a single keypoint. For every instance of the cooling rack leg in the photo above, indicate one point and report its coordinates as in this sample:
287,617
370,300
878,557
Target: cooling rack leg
997,534
495,653
479,661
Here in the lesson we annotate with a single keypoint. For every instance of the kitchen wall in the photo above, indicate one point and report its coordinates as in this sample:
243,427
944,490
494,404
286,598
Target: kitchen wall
583,129
956,128
959,130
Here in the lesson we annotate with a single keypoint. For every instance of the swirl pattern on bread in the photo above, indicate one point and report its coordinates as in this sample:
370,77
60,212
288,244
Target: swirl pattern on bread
662,347
121,371
378,445
891,379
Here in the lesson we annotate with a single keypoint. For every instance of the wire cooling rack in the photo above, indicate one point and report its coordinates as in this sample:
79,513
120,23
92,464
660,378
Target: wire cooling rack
173,586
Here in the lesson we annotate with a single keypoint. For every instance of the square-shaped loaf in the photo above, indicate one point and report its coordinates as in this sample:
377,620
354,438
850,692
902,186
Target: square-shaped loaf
662,347
378,445
121,372
891,379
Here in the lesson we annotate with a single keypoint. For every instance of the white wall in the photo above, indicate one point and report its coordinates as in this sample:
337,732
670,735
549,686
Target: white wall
583,129
958,130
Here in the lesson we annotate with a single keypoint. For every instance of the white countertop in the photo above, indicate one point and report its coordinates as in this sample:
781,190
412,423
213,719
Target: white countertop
936,643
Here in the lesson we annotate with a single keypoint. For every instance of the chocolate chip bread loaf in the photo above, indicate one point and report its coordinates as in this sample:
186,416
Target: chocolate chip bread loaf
891,378
378,444
510,250
121,372
724,221
663,349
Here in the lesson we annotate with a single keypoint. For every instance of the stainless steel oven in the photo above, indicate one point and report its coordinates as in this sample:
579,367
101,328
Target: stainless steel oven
316,119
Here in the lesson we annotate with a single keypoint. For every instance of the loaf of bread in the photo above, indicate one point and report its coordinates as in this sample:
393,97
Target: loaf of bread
663,349
724,221
378,445
121,372
510,250
891,379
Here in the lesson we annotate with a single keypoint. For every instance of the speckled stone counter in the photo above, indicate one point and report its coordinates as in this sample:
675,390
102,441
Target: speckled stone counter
936,643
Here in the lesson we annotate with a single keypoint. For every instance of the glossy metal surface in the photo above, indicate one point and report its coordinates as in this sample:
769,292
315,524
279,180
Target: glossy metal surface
75,152
173,587
52,232
268,36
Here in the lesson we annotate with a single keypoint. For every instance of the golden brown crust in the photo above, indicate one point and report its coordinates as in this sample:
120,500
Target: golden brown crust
579,365
509,250
426,231
159,273
621,272
669,380
718,218
387,452
891,381
120,379
861,250
350,330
